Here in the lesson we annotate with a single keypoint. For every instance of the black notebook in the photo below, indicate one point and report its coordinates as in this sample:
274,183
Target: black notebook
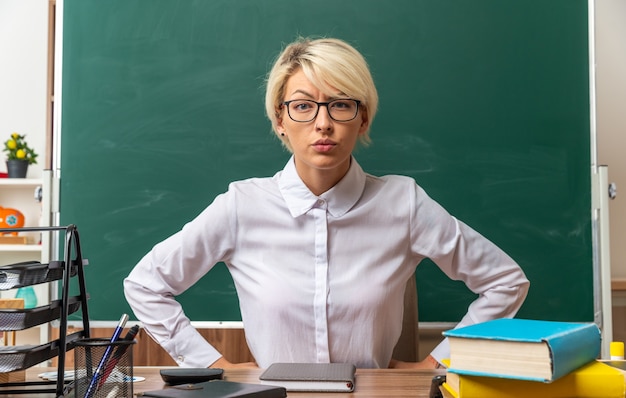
335,377
218,389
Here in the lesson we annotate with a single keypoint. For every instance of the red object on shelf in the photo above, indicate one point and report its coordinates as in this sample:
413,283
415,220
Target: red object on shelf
4,175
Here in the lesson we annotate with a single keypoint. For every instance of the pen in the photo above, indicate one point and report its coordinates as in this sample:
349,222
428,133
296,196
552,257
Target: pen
113,392
118,354
103,361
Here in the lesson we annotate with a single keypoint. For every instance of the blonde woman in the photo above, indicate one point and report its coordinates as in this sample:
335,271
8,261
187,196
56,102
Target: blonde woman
320,253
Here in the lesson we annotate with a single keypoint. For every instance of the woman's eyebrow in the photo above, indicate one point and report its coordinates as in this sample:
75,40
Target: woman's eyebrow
339,95
302,92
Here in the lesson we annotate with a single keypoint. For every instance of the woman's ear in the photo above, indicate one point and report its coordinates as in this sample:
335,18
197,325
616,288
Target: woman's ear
365,121
280,128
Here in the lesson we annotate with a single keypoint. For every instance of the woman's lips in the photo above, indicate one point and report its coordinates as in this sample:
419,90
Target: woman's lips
324,145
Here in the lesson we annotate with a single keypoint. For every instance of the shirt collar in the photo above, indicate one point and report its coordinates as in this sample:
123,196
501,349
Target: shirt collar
339,198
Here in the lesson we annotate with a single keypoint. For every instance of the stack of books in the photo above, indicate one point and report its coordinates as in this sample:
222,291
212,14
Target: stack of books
513,358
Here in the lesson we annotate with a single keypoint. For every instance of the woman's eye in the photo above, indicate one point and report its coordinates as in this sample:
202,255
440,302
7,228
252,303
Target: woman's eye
301,106
341,105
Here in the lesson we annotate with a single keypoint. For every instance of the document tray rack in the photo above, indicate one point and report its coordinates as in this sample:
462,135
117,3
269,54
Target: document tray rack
12,319
23,357
28,273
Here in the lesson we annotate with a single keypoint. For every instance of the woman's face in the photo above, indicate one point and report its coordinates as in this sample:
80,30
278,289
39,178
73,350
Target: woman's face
322,145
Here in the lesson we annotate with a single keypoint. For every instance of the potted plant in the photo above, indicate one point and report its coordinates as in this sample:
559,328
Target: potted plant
19,156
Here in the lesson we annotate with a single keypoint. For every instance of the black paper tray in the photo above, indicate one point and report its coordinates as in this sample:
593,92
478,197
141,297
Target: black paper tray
30,273
19,319
13,358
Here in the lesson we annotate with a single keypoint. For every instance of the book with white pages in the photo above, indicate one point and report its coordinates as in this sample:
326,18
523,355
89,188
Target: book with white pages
330,377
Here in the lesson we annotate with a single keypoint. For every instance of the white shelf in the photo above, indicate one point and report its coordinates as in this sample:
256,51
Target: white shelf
26,182
20,248
19,193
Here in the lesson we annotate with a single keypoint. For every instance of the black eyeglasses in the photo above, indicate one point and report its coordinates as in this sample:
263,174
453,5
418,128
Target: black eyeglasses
340,110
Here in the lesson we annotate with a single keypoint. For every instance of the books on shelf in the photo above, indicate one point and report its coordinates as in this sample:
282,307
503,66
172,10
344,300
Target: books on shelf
13,240
593,380
329,377
523,348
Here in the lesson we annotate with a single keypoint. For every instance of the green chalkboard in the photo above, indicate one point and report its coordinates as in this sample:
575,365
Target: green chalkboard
485,103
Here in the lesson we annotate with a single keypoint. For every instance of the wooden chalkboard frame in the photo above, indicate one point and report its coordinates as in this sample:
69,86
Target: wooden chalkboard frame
486,104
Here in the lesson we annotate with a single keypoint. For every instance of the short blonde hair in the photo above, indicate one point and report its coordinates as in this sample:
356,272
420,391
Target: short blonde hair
326,63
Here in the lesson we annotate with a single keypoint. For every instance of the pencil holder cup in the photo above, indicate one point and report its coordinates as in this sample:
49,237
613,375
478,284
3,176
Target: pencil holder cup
103,368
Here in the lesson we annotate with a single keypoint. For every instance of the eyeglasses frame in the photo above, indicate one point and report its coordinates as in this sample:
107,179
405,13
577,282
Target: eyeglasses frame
358,104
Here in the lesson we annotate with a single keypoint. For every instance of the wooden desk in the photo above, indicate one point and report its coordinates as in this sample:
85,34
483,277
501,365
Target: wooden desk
384,383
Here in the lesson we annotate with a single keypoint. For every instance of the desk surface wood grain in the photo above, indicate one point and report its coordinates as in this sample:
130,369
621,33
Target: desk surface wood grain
388,383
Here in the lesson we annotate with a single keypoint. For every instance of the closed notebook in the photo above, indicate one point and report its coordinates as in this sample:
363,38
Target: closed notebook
332,377
522,348
218,389
594,380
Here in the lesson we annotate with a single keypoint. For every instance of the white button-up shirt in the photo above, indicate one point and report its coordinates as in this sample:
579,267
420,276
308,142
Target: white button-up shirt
319,278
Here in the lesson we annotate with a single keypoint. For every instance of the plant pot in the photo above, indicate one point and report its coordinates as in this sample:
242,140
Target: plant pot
17,168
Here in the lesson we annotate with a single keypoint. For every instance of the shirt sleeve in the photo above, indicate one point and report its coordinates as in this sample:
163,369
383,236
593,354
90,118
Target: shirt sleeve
464,254
169,269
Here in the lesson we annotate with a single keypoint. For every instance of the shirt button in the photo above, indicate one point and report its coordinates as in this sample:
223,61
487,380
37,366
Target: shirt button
180,359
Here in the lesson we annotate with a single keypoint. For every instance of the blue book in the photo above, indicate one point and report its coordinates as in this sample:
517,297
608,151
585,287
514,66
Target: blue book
522,348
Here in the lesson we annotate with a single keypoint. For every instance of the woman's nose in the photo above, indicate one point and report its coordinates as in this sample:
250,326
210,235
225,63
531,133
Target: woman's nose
323,120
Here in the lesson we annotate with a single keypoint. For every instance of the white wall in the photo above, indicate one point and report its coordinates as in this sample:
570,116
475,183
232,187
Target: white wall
611,117
23,75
